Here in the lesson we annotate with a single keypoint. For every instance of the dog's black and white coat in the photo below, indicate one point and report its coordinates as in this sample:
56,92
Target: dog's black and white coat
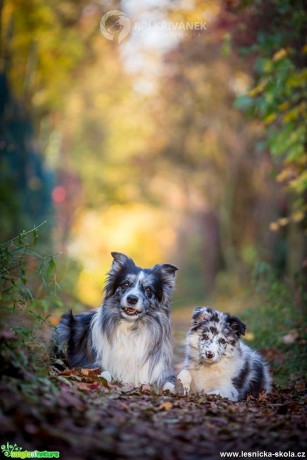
218,362
129,337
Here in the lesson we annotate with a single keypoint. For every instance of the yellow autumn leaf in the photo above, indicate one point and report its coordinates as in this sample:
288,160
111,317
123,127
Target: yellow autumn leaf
249,336
283,221
283,106
279,55
299,184
294,113
283,175
270,118
297,216
274,226
256,90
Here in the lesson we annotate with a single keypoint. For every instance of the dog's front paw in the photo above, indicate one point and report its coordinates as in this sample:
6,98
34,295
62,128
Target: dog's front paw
185,378
231,395
106,375
169,386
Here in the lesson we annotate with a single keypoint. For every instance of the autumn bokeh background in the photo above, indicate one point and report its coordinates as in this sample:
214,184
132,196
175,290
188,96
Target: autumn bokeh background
181,146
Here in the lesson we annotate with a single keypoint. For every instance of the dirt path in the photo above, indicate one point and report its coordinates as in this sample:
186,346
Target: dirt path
79,415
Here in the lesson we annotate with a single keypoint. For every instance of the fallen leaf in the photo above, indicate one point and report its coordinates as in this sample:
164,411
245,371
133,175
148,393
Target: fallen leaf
146,388
167,405
85,372
83,386
8,335
290,338
300,386
66,372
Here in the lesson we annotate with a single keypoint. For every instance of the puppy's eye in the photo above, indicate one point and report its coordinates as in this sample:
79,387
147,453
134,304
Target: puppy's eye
149,291
125,284
222,341
205,337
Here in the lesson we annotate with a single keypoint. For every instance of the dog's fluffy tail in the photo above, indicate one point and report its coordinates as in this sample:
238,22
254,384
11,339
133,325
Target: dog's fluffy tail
72,341
60,337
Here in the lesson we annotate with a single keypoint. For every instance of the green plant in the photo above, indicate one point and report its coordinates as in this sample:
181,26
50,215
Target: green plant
277,322
277,96
28,287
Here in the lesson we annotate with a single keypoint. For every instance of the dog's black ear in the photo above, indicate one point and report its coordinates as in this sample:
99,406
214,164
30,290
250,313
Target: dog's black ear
200,314
236,325
169,269
120,260
167,272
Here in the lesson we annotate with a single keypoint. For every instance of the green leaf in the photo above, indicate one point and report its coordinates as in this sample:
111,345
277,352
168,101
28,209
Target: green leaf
35,237
51,266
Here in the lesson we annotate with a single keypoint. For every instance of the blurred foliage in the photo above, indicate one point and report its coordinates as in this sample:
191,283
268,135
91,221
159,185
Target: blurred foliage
278,94
139,148
41,47
28,292
25,184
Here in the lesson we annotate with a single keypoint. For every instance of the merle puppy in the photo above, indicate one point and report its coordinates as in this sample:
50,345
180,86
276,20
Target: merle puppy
218,362
129,337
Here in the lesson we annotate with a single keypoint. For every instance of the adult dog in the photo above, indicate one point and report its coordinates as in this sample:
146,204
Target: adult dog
129,337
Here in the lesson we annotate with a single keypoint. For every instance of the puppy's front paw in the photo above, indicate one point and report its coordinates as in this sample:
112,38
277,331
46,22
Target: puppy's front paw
106,375
231,395
185,378
169,386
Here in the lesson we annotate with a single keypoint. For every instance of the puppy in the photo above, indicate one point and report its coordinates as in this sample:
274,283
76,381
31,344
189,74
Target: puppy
218,362
129,337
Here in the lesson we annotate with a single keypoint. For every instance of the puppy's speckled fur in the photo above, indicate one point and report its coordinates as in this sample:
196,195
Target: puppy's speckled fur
218,362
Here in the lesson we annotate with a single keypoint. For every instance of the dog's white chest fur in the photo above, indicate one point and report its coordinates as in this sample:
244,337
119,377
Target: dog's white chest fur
207,378
124,358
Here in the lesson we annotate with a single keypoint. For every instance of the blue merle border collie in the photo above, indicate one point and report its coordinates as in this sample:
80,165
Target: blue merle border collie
218,362
129,337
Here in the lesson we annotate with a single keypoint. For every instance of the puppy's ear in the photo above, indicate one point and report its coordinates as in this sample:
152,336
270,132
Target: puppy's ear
236,325
120,260
200,314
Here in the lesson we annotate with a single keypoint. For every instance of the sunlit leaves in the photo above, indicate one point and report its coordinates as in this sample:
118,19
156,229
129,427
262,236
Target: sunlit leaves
279,93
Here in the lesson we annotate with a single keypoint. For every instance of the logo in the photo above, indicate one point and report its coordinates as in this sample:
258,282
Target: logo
13,451
115,25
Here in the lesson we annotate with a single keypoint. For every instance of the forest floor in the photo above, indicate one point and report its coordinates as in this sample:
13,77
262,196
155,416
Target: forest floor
81,416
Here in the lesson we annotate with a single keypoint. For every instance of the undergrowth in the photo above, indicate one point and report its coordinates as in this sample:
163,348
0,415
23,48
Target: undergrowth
28,291
278,323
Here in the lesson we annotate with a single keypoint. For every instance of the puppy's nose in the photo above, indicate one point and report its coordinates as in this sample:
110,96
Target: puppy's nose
209,354
132,299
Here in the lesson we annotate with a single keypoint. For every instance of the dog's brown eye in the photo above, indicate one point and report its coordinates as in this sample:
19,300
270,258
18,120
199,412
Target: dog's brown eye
205,336
125,284
149,291
222,341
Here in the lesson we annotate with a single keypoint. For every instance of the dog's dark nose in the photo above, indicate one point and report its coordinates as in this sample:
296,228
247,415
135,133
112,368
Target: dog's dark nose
132,299
209,354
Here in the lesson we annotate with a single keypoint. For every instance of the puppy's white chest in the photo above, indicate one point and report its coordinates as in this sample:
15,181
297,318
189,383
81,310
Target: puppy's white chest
208,378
